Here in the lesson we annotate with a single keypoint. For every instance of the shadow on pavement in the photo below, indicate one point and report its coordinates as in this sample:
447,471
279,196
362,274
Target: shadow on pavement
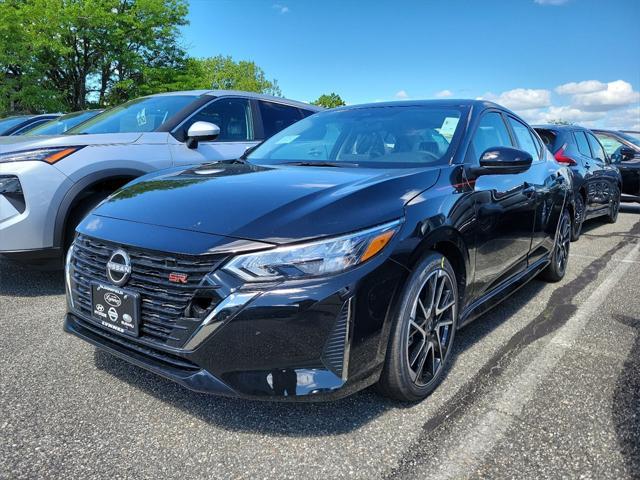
626,402
296,419
20,281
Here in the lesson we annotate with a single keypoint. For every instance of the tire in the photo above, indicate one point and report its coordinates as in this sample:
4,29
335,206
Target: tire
419,351
77,215
560,258
614,206
578,221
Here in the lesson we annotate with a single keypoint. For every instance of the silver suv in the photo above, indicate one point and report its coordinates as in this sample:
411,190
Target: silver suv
48,184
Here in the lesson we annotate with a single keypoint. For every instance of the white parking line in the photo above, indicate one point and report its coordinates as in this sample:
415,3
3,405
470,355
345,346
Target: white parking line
593,257
467,454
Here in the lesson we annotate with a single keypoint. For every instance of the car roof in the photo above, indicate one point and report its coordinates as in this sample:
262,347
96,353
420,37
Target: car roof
240,93
421,103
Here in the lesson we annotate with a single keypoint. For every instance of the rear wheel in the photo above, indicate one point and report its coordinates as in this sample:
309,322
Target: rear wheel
576,229
560,257
422,335
614,206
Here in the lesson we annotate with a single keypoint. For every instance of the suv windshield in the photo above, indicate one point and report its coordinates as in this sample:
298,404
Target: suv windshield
141,115
62,124
398,136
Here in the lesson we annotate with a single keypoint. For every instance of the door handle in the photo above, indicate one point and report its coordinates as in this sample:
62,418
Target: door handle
587,166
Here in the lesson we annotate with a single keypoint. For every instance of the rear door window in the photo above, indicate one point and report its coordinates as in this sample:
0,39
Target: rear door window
596,148
276,117
583,143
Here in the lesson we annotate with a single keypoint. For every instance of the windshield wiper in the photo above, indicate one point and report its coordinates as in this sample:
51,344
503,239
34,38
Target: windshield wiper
321,164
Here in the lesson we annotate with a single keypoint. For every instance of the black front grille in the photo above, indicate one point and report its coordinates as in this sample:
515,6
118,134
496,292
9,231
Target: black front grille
164,316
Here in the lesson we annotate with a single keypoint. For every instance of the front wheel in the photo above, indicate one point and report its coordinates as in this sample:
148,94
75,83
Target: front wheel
422,334
560,257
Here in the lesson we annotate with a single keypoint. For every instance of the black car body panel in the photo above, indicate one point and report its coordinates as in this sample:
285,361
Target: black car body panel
313,338
615,143
594,178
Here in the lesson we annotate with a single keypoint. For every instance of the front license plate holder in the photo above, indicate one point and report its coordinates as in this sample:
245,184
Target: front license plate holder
116,309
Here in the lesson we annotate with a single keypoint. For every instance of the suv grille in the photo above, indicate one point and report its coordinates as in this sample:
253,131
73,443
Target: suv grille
164,317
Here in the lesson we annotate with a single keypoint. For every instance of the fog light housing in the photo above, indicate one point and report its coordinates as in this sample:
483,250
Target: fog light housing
11,190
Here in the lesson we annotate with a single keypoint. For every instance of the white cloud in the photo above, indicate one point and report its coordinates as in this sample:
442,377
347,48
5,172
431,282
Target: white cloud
616,94
551,2
443,94
281,8
402,94
587,86
627,119
521,98
564,112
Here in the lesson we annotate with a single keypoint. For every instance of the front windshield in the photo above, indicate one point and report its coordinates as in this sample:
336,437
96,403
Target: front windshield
141,115
396,136
631,139
10,122
61,124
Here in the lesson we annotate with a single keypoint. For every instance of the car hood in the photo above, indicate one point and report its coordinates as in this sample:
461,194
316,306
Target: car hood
25,142
277,204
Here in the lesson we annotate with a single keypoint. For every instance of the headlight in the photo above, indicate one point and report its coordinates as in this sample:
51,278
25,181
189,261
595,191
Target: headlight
323,257
49,155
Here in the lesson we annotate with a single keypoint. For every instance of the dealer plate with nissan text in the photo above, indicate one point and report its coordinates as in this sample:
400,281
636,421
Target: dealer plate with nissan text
115,309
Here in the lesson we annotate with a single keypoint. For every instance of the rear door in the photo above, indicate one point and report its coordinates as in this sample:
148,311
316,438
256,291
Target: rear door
504,207
274,117
592,172
603,182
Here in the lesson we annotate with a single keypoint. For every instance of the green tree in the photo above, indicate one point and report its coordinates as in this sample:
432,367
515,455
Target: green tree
220,72
62,54
331,100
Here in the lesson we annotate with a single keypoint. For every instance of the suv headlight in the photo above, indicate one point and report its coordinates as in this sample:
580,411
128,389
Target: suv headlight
49,155
322,257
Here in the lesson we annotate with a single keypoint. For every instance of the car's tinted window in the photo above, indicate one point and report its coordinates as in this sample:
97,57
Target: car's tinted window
596,148
231,115
491,132
141,115
10,122
525,138
276,117
373,136
583,143
62,124
305,113
610,144
549,137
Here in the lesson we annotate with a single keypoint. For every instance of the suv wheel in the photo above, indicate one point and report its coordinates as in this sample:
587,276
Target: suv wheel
421,340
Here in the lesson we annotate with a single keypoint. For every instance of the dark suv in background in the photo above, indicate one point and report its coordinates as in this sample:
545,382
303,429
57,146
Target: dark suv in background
624,150
596,183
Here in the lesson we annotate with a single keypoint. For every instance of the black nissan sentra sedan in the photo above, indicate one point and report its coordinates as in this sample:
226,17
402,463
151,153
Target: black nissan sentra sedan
343,252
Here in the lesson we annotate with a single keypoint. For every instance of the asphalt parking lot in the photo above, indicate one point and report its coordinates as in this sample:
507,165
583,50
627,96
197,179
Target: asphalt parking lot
545,386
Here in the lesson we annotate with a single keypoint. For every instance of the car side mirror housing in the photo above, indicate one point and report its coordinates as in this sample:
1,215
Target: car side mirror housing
201,131
627,153
503,160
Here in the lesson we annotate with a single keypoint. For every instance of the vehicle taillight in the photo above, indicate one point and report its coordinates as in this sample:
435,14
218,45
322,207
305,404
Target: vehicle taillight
562,158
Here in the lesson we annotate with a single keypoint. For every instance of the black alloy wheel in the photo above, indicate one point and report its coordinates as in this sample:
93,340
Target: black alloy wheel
422,337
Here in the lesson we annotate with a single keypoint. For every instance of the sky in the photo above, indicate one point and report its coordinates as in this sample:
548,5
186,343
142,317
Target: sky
573,60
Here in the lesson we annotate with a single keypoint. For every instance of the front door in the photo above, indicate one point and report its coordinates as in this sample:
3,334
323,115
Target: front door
234,118
505,209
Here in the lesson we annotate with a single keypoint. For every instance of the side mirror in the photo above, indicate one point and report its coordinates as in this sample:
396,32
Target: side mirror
201,131
503,160
626,153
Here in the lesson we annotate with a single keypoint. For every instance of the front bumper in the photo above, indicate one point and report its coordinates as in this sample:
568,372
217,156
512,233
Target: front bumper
27,227
308,340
